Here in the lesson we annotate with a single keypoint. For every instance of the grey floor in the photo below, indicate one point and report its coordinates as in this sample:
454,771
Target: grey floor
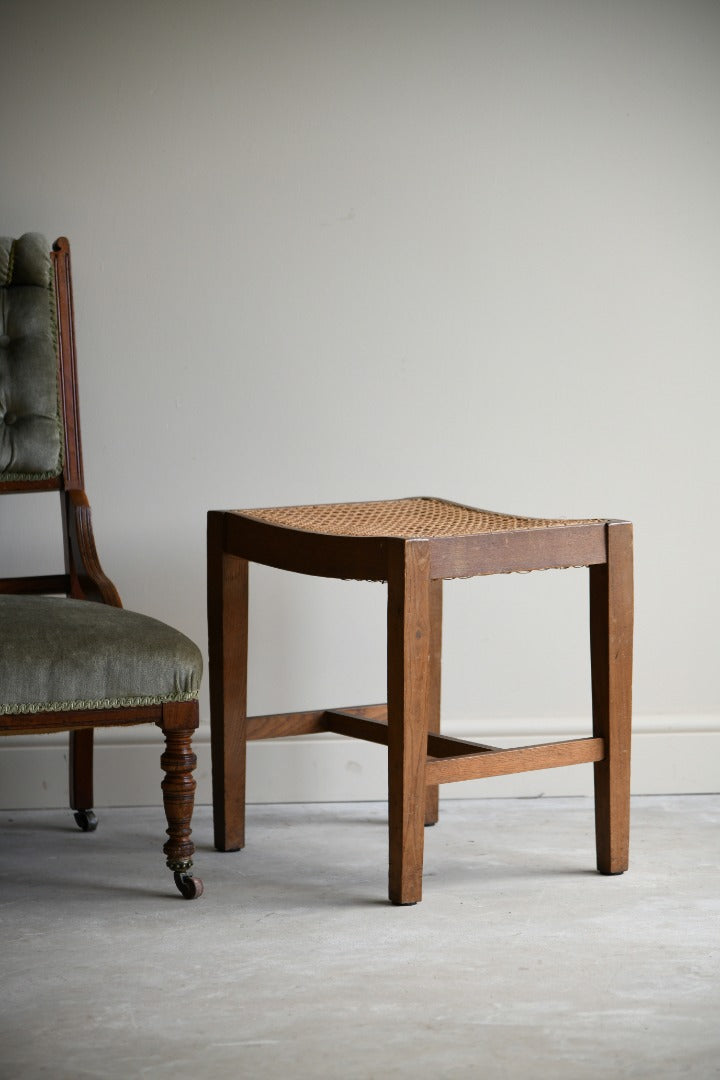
520,962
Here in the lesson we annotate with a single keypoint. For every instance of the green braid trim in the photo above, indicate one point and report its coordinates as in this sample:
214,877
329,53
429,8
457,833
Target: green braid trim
103,703
9,477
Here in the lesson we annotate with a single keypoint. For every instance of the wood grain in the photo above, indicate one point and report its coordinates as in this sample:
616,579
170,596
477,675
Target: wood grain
44,723
408,676
522,550
88,581
432,791
40,585
371,729
73,475
360,557
309,722
497,762
227,599
611,644
178,762
80,762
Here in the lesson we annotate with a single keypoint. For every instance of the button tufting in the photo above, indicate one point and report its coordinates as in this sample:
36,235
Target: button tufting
10,418
4,341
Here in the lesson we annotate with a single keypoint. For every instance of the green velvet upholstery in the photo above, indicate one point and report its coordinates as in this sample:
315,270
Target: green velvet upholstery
30,425
62,654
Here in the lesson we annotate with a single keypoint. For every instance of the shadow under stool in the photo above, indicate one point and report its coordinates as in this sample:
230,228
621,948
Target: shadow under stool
414,544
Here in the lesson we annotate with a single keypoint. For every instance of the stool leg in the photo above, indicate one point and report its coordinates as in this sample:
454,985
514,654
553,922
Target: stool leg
409,642
611,633
432,791
227,598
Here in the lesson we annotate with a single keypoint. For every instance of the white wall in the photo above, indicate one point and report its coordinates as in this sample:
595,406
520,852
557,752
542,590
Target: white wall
342,250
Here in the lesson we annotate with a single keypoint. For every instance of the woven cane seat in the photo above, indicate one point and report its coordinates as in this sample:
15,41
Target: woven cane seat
414,518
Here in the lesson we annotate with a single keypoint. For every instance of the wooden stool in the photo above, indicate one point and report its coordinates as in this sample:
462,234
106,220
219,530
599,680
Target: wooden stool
414,544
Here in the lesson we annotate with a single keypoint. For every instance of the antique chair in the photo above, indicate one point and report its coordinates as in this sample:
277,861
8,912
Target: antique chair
81,661
413,545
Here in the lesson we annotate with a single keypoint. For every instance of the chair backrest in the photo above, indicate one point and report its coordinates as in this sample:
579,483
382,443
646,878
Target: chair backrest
40,447
39,431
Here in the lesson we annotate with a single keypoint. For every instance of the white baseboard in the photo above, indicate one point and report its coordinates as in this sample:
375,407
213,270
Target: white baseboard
671,755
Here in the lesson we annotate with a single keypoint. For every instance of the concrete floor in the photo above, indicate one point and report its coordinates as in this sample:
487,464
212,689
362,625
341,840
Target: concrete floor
520,962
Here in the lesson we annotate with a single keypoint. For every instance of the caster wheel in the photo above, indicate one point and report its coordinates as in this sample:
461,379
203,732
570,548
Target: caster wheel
190,887
86,820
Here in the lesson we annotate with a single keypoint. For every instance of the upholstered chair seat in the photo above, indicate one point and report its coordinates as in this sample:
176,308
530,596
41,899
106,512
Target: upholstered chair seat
102,657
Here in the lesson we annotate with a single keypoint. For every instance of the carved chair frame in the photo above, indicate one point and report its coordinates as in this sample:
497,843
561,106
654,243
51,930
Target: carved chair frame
84,579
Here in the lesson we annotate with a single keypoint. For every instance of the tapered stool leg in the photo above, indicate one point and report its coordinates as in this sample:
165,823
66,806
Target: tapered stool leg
611,638
227,594
409,643
432,791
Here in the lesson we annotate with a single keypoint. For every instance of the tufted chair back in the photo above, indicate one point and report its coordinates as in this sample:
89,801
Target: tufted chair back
31,429
40,448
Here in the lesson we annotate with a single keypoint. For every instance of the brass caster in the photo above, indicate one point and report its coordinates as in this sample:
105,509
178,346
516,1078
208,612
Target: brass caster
86,820
190,887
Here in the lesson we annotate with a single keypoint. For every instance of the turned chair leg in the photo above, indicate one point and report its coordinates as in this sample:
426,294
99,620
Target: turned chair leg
179,721
80,767
228,651
432,791
409,638
611,634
